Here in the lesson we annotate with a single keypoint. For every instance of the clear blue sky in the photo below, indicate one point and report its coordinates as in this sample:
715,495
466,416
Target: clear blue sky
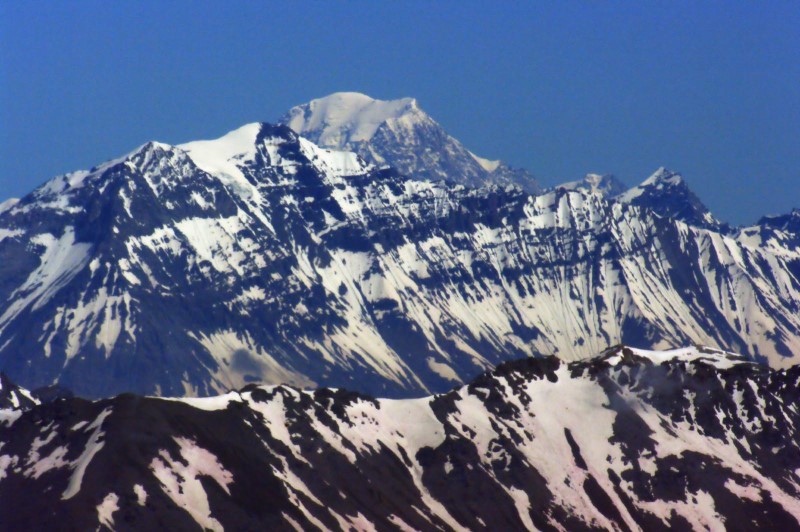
711,89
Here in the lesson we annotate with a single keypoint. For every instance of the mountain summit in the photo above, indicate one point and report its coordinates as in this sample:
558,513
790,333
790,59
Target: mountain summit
667,194
606,185
345,118
400,134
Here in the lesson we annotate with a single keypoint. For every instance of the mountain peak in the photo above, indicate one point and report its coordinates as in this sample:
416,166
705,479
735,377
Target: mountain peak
223,156
667,194
400,134
662,177
659,180
784,222
343,118
215,155
605,184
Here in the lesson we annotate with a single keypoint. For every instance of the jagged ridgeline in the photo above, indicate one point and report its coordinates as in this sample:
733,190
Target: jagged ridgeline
692,439
261,257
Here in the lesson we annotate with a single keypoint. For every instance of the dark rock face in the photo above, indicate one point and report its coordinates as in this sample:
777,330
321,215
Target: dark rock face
789,223
631,440
260,257
13,397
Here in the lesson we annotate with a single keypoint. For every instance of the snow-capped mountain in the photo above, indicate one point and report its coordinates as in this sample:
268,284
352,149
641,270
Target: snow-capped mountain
260,257
399,134
606,185
692,439
667,194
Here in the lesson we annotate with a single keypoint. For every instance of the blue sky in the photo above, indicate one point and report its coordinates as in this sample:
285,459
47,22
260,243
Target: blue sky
710,89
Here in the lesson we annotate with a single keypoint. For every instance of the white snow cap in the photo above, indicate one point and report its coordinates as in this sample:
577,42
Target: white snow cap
605,184
346,116
220,156
660,178
662,175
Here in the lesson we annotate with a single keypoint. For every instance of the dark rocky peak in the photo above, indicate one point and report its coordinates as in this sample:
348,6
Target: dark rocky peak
783,222
667,194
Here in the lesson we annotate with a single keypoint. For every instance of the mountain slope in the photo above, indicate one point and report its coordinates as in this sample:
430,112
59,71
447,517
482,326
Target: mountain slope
260,257
400,134
632,440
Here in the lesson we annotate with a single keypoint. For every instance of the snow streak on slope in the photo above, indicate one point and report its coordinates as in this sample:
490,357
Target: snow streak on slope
693,438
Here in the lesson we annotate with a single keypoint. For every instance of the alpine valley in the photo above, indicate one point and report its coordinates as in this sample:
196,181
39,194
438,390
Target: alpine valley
262,257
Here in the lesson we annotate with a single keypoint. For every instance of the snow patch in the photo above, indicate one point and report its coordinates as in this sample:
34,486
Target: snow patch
180,480
93,446
61,260
141,494
106,509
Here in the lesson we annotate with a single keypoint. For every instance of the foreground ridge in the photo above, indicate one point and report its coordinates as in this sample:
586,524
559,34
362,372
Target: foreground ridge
693,438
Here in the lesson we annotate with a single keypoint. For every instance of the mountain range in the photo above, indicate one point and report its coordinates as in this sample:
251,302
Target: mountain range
693,438
262,257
